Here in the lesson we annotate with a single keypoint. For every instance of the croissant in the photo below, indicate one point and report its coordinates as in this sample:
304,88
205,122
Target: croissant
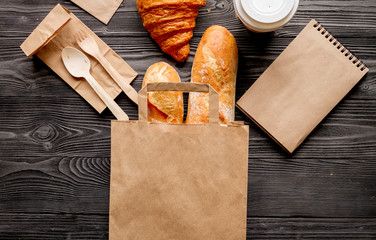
170,23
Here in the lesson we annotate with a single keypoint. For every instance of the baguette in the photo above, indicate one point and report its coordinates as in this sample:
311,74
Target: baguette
164,106
215,63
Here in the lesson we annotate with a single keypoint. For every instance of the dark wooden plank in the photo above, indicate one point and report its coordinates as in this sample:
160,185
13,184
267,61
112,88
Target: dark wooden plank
71,226
53,226
276,187
311,228
45,126
55,185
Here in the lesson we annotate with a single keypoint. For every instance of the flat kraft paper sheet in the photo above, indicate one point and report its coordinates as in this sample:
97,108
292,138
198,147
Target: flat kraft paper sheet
302,86
103,10
56,32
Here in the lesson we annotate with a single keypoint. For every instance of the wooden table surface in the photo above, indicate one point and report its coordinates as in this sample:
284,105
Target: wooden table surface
55,148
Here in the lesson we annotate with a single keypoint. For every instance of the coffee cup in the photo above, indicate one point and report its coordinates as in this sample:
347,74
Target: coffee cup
265,15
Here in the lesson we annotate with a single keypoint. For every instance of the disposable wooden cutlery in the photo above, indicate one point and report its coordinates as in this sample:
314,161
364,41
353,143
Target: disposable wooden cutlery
78,65
89,46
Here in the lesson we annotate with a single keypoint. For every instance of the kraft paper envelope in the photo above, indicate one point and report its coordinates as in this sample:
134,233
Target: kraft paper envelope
57,31
302,86
103,10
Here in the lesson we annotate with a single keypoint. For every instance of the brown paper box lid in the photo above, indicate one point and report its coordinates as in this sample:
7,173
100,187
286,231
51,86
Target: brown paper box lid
57,31
302,86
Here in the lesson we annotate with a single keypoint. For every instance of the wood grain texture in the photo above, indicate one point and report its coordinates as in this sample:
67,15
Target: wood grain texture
305,187
68,126
311,228
53,226
69,226
55,149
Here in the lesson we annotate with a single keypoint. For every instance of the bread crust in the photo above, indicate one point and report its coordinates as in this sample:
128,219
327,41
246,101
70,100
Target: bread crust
170,23
215,63
149,4
164,106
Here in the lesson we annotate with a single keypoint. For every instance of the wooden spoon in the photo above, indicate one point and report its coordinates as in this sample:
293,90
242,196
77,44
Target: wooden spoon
78,65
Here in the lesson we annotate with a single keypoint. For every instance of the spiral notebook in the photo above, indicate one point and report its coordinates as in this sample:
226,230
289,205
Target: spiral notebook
302,86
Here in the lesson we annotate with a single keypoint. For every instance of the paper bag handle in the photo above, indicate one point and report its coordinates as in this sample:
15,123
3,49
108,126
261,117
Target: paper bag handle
181,87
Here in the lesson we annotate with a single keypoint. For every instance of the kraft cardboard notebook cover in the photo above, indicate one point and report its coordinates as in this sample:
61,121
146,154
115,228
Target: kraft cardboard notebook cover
302,86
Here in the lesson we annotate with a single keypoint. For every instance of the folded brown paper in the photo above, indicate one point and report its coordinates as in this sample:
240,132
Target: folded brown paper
103,10
302,86
178,181
57,31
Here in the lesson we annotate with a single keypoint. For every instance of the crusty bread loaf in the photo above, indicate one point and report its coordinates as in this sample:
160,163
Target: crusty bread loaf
164,106
216,63
170,23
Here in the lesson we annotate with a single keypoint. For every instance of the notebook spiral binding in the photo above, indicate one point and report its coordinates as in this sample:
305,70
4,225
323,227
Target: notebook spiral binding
359,64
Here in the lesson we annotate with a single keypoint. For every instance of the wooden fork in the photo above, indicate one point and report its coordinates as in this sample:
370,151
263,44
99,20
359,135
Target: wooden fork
88,44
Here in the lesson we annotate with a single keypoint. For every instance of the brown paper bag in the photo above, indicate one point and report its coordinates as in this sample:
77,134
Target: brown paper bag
302,86
57,31
178,181
103,10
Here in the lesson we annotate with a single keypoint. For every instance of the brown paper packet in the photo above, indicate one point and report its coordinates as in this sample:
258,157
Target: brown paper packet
103,10
302,86
57,31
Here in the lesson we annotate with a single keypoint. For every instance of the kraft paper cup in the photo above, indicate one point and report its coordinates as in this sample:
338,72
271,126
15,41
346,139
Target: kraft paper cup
265,15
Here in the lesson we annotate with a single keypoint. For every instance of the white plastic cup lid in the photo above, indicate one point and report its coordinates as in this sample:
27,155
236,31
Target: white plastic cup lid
267,11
